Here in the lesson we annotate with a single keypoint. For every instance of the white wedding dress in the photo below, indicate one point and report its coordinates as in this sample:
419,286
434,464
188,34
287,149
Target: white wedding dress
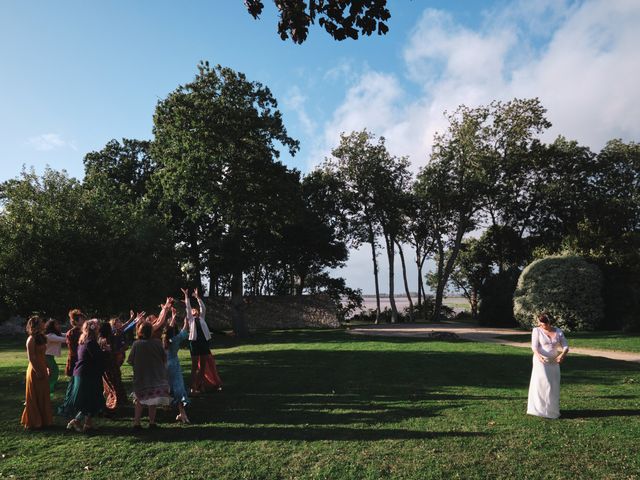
544,388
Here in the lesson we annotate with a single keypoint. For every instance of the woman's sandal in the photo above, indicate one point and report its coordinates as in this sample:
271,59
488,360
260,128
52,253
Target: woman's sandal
74,425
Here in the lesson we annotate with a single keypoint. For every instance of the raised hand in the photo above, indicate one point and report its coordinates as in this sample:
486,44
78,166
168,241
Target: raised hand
185,291
140,316
196,295
132,315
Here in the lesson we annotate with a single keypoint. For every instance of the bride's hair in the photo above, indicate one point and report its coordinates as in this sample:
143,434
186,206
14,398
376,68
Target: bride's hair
544,318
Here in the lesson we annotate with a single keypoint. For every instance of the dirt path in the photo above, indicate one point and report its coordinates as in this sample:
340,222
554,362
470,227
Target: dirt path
478,334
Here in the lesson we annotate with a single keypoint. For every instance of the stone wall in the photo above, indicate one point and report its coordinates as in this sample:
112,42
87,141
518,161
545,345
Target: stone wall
276,312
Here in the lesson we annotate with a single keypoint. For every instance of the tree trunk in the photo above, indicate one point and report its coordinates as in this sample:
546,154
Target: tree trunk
406,283
448,267
419,269
474,303
437,301
302,278
372,241
391,257
238,319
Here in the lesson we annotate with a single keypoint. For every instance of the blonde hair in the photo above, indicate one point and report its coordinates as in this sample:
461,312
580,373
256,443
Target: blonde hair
89,331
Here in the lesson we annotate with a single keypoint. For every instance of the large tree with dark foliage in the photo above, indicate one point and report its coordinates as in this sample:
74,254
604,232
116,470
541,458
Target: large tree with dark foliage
216,146
341,19
67,244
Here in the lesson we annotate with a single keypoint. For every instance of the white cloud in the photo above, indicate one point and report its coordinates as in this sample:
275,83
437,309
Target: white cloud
50,141
295,101
580,58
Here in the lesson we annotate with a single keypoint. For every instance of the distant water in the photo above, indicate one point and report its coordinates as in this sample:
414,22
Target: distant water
402,302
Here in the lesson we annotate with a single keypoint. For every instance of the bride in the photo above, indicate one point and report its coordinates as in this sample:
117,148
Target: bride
544,389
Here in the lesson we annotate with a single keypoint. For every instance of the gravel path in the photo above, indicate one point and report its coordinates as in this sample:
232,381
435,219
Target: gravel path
478,334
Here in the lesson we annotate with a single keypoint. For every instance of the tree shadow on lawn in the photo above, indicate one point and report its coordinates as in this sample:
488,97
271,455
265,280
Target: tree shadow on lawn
315,433
350,394
173,432
573,414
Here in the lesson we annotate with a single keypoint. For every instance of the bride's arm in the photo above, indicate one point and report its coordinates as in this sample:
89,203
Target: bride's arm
565,346
535,345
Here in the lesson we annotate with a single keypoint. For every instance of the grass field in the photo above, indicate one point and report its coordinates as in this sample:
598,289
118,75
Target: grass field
623,342
326,405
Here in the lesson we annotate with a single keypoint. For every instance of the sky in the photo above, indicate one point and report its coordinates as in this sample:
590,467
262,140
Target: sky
75,74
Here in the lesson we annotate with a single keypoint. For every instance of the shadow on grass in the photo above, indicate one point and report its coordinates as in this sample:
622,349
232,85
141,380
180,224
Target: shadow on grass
235,434
347,391
572,414
170,433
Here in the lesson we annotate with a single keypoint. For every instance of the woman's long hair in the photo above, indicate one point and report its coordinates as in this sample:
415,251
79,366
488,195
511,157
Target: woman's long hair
34,324
144,330
89,331
52,326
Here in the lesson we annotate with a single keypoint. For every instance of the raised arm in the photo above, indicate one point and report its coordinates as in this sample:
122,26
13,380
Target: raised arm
187,304
200,303
174,313
132,323
159,323
53,338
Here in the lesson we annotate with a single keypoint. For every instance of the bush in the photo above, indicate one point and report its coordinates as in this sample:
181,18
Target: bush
369,316
496,299
425,310
566,287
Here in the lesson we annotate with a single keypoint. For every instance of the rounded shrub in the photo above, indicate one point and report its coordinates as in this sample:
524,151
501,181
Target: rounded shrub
566,287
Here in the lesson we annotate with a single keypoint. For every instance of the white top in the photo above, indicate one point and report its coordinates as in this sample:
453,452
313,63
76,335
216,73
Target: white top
54,344
542,343
192,321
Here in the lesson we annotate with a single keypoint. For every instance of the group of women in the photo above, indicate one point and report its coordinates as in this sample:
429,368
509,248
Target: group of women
96,352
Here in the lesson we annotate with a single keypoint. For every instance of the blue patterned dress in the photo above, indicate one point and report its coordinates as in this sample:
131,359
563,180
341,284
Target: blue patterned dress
174,371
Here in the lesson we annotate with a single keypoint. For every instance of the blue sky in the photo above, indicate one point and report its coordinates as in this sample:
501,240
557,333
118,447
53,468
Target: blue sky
75,74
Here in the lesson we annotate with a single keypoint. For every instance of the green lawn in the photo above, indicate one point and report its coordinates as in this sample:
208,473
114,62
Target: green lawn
326,405
623,342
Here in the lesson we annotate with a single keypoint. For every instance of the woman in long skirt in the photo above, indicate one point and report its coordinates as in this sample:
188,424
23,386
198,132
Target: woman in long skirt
204,373
172,340
55,339
76,319
544,388
87,399
150,384
37,406
114,392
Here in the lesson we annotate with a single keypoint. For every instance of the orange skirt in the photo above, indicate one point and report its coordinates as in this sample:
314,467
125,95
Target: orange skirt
37,411
204,373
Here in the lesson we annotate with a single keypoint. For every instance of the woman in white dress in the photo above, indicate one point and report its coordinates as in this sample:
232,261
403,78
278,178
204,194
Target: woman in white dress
544,389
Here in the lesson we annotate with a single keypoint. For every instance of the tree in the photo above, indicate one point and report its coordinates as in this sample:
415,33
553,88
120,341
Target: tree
420,232
216,143
472,269
374,183
123,170
510,135
340,18
455,184
65,244
320,241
